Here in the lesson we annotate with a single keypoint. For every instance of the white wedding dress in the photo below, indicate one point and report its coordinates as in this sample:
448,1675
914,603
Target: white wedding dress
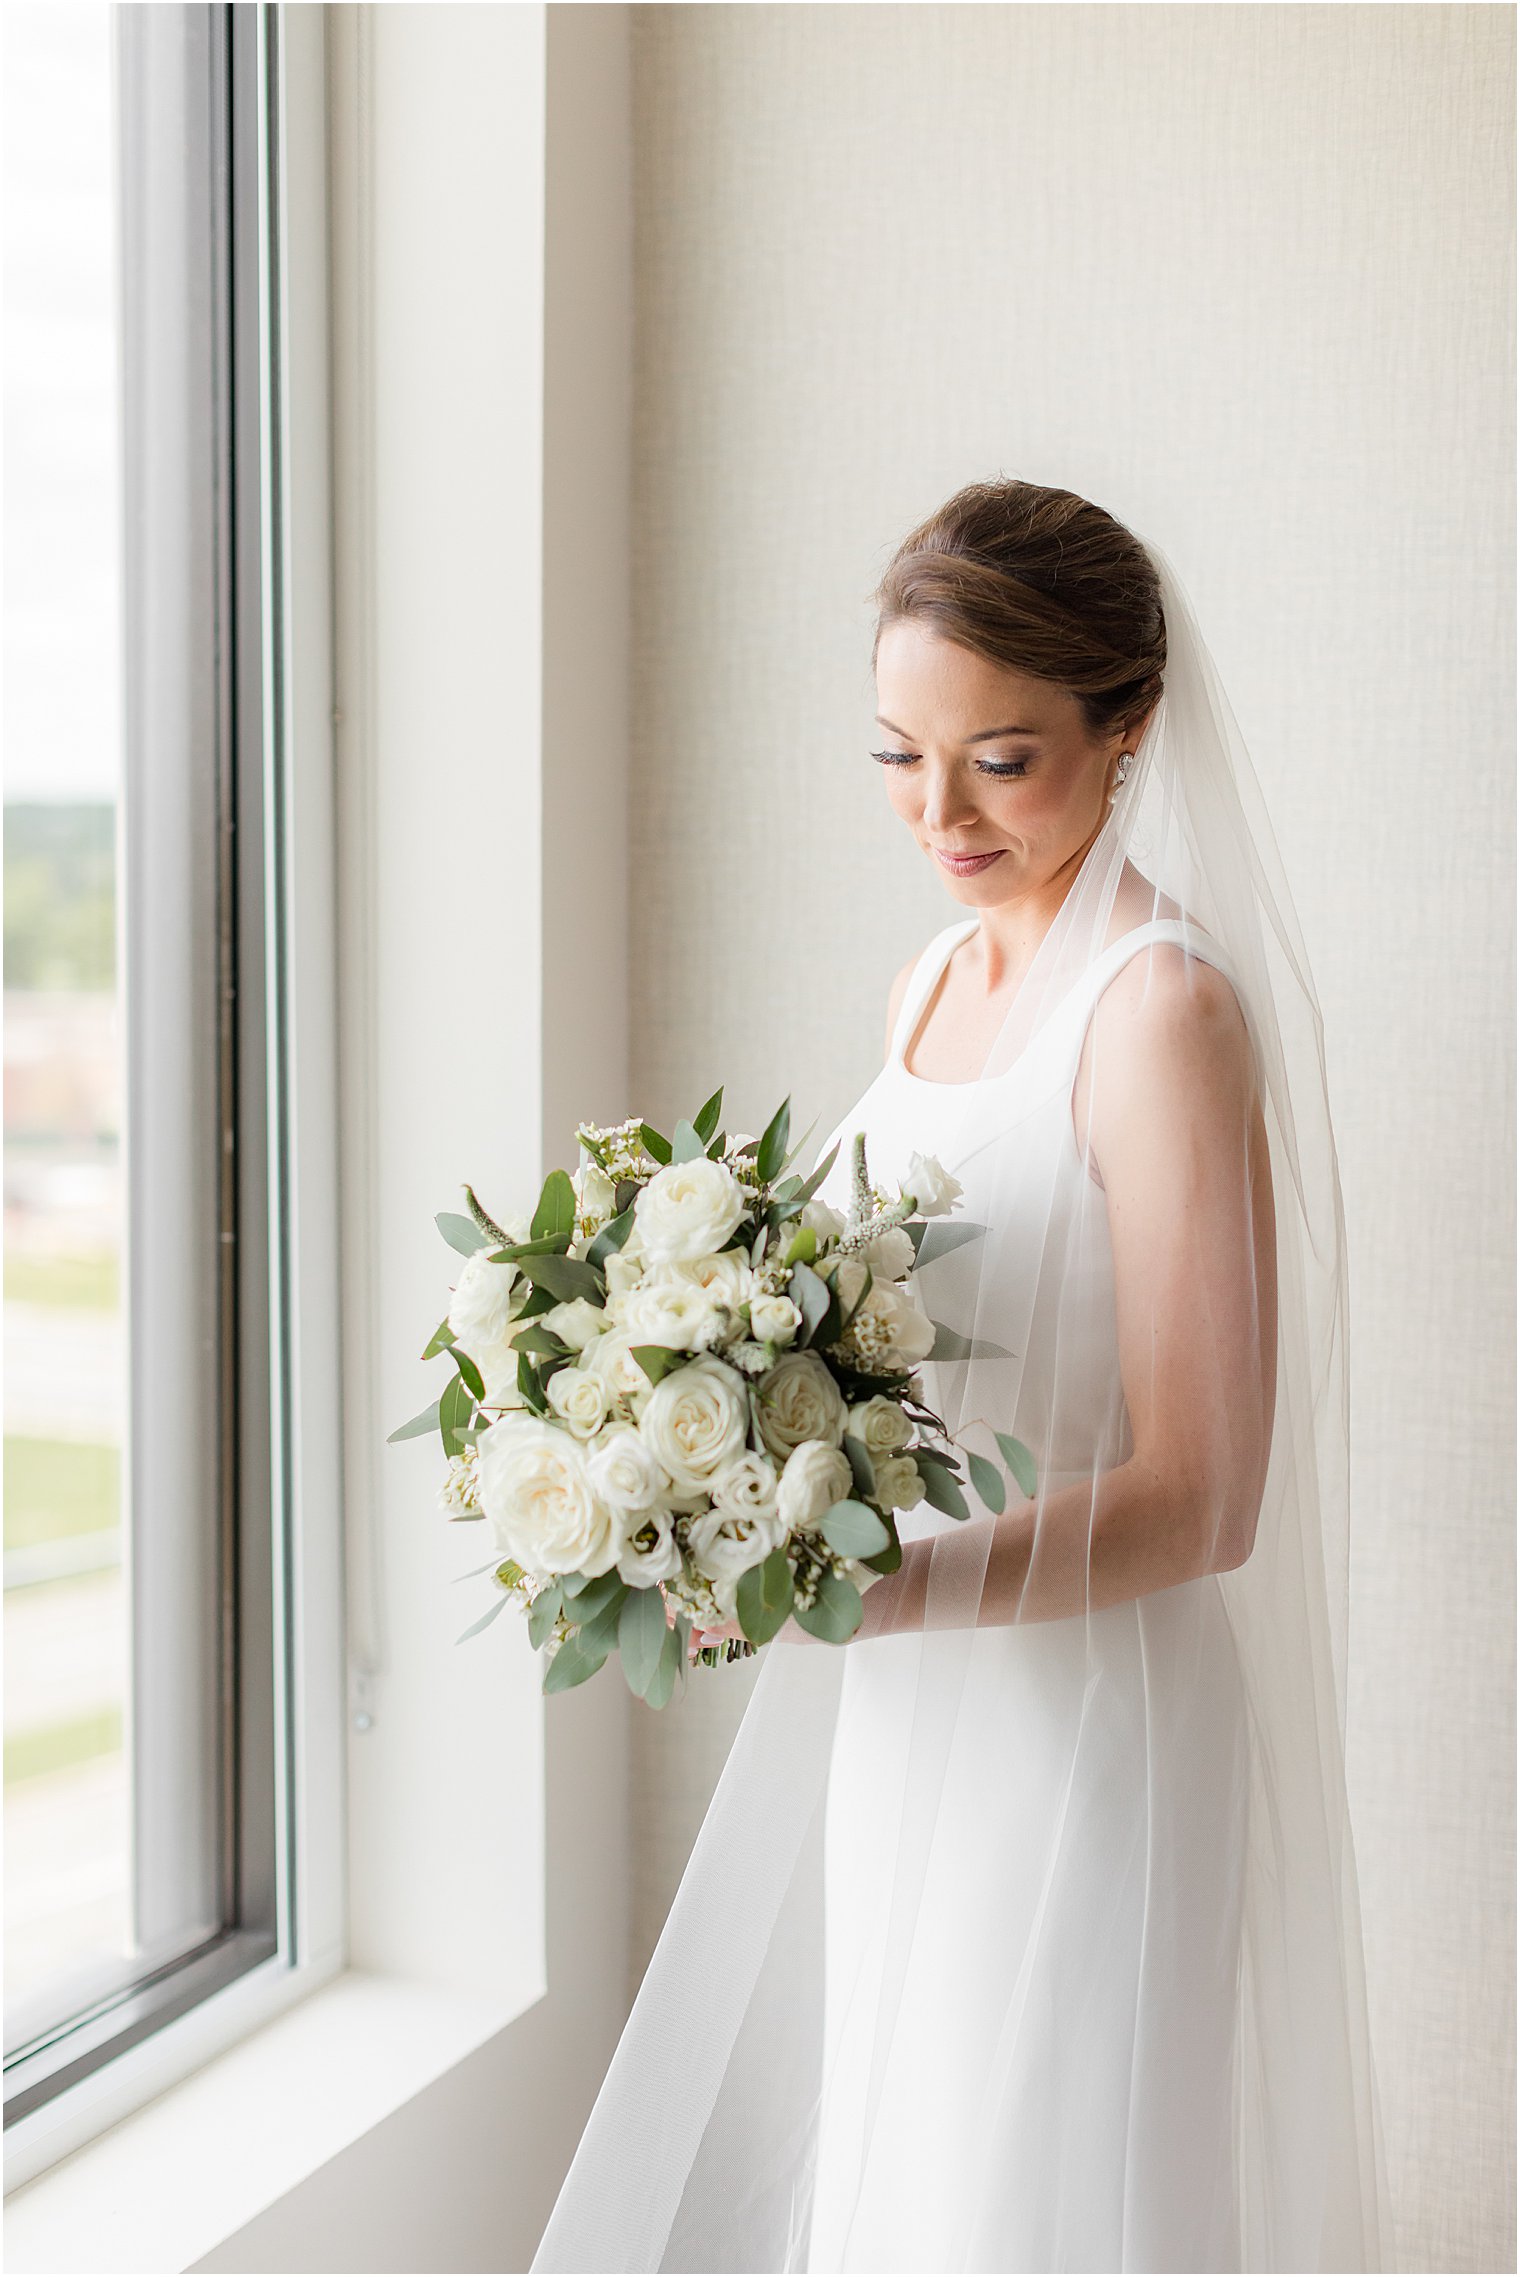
1089,1839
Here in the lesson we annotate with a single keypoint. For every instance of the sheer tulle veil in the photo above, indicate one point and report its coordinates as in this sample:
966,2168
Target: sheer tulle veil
701,2151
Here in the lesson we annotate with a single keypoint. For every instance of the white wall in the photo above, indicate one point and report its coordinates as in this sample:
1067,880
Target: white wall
1241,274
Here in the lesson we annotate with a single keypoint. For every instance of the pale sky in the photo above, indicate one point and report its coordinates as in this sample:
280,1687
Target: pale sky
59,517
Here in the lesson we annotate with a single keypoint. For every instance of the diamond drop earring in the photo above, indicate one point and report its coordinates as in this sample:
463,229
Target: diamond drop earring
1124,760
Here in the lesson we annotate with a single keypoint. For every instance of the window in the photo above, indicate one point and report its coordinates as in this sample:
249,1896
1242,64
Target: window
148,1860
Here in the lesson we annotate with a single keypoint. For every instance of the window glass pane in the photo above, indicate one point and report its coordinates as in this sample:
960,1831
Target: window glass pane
68,1909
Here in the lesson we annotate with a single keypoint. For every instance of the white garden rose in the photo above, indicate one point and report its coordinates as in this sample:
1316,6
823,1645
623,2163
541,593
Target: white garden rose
890,1252
774,1319
579,1398
799,1400
625,1471
485,1303
623,1273
899,1483
746,1487
727,1275
650,1551
611,1358
880,1425
817,1476
825,1220
933,1189
725,1543
575,1322
695,1420
534,1487
498,1372
688,1210
677,1313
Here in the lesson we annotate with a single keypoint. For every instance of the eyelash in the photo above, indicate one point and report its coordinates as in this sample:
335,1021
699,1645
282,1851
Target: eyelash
1004,771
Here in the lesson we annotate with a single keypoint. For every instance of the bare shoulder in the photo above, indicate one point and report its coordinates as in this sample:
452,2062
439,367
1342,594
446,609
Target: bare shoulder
895,995
1173,1020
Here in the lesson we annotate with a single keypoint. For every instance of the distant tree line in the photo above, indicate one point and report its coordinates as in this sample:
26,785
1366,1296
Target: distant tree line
60,894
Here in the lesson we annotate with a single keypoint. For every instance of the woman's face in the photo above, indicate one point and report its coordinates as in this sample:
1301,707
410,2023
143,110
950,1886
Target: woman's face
985,761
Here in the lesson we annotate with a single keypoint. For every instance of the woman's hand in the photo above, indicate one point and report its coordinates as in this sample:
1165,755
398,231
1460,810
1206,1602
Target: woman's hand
700,1638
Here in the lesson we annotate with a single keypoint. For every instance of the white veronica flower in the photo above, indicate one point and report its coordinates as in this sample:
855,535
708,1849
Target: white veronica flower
688,1210
799,1400
933,1188
817,1476
695,1420
534,1487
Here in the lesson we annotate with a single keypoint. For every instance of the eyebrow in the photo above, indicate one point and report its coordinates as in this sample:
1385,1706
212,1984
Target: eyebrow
982,735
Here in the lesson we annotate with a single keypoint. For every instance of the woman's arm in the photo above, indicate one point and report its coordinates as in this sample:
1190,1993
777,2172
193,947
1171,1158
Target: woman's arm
1176,1131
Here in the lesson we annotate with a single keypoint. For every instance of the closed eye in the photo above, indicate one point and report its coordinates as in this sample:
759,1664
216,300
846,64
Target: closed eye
998,767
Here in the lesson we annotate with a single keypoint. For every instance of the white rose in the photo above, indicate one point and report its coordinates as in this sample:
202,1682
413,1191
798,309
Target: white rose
595,1194
880,1425
623,1273
825,1220
695,1420
498,1372
799,1400
679,1314
746,1487
534,1488
485,1303
890,1252
724,1543
816,1477
728,1276
650,1552
625,1472
899,1483
687,1210
579,1399
575,1322
933,1189
611,1358
775,1319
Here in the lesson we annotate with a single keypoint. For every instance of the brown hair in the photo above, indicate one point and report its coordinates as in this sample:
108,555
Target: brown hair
1043,582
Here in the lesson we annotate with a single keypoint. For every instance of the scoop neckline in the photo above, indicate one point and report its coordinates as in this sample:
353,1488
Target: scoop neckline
959,933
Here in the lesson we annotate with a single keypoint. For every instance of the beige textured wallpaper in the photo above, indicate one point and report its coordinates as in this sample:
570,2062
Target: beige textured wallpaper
1242,274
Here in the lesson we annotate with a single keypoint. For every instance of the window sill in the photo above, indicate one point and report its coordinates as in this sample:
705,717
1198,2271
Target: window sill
170,2182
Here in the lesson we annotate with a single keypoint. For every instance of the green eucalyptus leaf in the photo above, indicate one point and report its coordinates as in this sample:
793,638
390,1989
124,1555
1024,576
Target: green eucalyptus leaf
566,1277
950,1344
529,1386
854,1530
471,1374
864,1470
556,1206
642,1630
835,1613
705,1121
486,1618
653,1143
987,1479
687,1144
941,1488
535,1339
657,1360
572,1665
585,1599
456,1406
663,1682
764,1597
771,1152
440,1340
815,1178
542,1614
1019,1460
811,1294
460,1233
939,1237
800,1250
418,1428
612,1237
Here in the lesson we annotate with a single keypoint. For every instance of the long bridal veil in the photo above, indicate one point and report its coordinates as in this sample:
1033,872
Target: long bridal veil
1221,1738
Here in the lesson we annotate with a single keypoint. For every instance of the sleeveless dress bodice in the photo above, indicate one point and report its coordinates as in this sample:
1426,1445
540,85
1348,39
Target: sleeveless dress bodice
1092,1761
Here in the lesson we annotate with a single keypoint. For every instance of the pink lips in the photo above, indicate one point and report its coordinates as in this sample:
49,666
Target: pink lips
964,865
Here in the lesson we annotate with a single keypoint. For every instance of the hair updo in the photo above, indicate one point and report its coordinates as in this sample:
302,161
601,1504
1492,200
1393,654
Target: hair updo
1040,581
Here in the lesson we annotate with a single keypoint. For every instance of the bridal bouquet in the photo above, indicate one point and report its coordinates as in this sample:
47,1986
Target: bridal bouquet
684,1393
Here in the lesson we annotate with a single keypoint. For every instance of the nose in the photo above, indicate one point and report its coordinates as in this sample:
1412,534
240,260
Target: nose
946,798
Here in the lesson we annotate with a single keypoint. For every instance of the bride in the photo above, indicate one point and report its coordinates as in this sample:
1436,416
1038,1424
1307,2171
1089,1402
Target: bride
1022,1931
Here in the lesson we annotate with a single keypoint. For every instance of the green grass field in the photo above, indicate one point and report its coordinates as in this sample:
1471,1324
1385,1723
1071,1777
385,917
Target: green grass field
55,1487
93,1282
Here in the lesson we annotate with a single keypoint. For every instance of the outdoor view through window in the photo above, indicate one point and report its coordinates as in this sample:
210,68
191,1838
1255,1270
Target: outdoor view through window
67,1729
